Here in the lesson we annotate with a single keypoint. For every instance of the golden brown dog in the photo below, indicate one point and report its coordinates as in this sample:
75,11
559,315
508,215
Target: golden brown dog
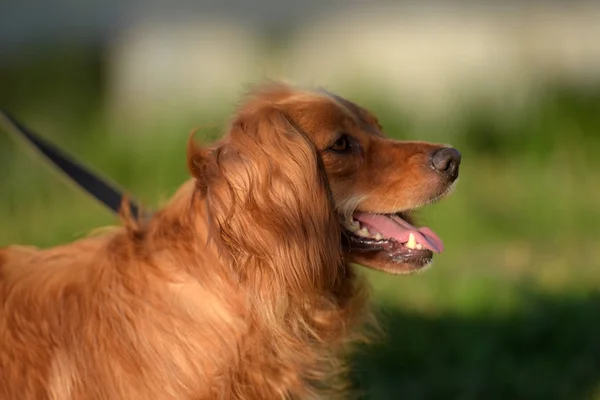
241,286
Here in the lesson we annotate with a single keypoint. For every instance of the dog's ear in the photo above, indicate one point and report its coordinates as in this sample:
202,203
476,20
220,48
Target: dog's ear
199,161
267,191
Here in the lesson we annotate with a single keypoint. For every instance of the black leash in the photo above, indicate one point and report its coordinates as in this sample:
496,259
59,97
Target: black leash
92,183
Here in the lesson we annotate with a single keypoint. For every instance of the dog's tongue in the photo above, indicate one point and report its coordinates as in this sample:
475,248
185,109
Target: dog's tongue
392,226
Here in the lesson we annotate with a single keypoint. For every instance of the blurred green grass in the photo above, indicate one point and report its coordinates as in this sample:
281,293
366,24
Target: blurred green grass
510,310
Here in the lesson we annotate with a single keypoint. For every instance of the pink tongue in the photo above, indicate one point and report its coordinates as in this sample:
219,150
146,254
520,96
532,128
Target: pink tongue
392,226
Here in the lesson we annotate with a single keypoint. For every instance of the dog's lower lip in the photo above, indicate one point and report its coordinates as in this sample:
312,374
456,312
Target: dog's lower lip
395,250
358,243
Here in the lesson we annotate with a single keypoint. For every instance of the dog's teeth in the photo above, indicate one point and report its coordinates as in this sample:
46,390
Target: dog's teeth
412,242
352,226
419,246
378,236
363,232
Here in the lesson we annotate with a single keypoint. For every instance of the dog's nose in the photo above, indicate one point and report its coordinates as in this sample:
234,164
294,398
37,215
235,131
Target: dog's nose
446,161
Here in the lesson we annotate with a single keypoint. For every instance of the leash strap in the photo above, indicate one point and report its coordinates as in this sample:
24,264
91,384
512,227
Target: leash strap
92,183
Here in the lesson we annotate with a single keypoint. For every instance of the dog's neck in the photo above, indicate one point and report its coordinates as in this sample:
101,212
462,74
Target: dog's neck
296,270
310,259
303,318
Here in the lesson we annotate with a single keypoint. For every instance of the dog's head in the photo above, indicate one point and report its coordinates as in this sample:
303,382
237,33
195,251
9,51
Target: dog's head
312,167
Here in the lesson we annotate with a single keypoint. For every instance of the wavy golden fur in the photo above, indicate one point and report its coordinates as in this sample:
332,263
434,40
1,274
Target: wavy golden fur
238,288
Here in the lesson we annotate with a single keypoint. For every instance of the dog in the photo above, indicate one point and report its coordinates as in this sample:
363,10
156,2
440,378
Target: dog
243,286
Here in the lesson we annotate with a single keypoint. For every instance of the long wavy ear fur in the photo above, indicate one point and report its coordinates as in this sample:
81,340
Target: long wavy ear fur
267,193
198,162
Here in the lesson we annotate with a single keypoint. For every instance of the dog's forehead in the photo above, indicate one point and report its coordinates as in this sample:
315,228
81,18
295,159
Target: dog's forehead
315,108
334,108
367,120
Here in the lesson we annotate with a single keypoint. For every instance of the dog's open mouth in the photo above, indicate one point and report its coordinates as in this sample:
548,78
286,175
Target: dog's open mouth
391,237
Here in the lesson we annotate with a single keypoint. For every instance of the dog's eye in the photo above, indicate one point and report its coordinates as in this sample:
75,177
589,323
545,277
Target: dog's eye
342,144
